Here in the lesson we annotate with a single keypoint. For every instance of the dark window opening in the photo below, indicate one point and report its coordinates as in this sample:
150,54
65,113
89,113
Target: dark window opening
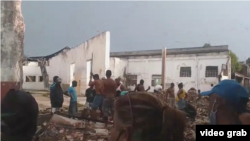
30,79
212,71
185,72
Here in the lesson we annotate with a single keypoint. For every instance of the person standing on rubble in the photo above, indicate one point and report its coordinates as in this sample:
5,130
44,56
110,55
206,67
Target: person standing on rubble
109,92
56,94
98,99
90,95
181,96
228,104
73,108
144,117
140,87
171,96
19,114
119,87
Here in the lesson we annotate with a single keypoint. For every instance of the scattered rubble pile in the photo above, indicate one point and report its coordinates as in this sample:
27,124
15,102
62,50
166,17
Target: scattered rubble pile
57,127
63,129
202,114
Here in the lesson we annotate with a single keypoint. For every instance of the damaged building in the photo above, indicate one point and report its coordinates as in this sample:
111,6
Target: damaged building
196,67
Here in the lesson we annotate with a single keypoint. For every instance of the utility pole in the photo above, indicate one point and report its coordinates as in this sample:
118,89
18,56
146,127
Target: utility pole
163,73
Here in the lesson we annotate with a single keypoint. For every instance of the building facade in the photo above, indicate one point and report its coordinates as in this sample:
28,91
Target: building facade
197,67
71,64
194,67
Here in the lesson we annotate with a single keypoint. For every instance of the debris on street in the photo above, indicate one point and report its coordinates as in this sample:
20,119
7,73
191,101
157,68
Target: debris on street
64,129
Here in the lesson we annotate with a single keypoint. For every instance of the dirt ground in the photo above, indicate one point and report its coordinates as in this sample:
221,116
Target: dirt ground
44,101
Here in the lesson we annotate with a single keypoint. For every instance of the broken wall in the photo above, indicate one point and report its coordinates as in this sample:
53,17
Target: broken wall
12,37
32,69
99,46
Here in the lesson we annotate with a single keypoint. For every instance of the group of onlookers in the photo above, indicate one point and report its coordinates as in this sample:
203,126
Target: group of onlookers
137,115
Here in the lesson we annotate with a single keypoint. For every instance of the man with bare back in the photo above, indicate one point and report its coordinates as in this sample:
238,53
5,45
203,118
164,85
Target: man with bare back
109,93
140,87
98,99
171,96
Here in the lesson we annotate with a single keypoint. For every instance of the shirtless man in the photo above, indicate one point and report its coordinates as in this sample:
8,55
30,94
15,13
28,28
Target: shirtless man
171,95
140,87
98,100
109,93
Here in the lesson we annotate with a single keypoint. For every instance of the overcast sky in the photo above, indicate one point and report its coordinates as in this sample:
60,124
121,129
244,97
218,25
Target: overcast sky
50,26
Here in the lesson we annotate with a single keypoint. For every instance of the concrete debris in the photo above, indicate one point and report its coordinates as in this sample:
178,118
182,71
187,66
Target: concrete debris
63,128
202,114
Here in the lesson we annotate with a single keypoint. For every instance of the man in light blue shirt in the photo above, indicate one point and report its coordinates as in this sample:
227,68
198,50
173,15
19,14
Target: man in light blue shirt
73,98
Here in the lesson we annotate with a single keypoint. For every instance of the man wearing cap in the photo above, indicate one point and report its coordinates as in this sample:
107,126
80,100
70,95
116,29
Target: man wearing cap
228,103
56,94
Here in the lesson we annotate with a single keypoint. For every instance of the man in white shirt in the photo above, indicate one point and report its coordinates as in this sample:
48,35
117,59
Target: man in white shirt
158,88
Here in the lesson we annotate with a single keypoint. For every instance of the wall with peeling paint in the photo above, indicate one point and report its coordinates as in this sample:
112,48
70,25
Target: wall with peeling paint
118,66
60,64
146,66
12,35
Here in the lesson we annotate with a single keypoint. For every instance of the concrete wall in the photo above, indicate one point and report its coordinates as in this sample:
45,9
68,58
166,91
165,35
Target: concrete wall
32,69
146,66
12,36
79,55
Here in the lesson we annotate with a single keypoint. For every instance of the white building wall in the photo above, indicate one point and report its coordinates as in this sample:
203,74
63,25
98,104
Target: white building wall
99,46
144,67
32,69
118,67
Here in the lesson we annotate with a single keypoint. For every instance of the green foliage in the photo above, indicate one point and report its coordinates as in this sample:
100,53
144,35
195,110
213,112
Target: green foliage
235,65
206,45
248,61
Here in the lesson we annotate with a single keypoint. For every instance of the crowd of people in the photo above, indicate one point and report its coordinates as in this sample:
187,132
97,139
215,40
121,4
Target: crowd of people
137,115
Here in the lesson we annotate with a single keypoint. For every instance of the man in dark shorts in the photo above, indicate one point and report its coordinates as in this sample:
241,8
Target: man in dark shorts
98,100
19,113
109,93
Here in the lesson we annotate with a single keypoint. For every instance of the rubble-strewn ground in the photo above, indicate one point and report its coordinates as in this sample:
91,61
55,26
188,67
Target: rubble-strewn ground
201,106
66,129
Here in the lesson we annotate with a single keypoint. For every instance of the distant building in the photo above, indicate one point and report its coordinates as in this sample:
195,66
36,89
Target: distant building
197,67
243,76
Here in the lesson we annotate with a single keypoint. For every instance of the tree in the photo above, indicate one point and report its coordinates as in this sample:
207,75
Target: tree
235,65
248,61
206,45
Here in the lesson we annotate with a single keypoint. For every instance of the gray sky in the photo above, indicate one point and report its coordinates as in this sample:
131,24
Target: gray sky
50,26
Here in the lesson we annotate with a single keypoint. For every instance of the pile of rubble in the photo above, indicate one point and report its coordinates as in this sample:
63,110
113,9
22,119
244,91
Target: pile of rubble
64,129
202,114
61,127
